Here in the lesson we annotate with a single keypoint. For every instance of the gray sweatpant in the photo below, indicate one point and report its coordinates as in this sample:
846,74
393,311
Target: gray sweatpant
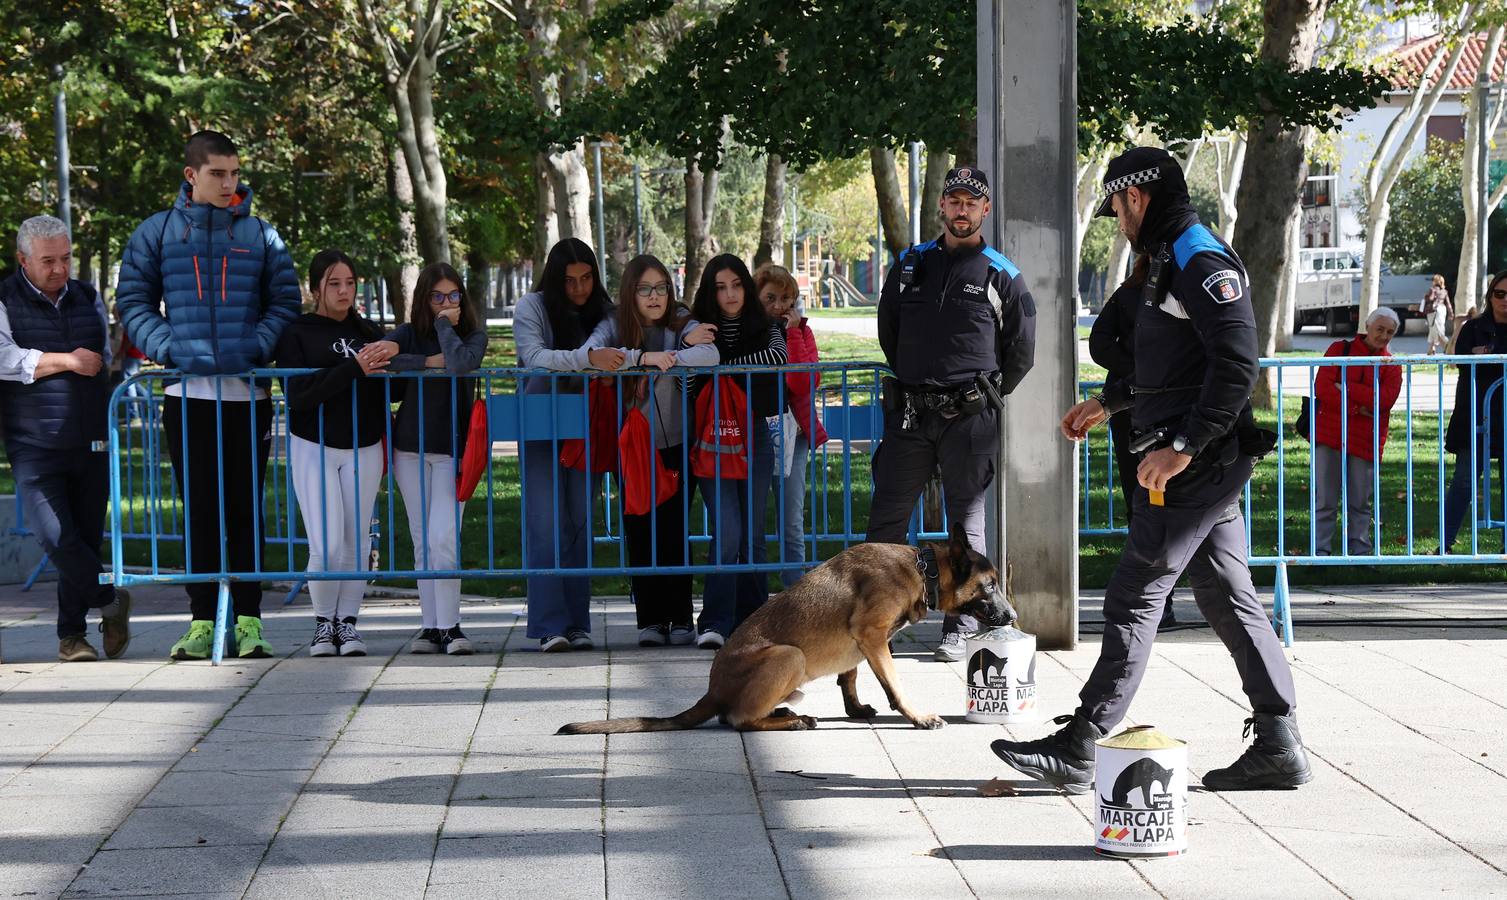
1357,475
1200,530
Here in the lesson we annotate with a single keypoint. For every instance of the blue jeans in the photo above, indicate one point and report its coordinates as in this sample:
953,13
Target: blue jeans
1462,485
730,598
556,603
793,518
65,493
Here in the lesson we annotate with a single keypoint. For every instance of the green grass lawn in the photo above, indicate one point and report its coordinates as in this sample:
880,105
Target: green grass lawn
843,312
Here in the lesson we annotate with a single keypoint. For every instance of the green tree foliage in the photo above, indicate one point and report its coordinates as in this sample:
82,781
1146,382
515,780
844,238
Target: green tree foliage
1427,218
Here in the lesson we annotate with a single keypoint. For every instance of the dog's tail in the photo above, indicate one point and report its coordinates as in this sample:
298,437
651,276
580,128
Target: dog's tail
704,709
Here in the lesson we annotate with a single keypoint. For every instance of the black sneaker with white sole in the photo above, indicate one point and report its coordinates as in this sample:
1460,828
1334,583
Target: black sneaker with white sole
579,639
427,641
455,642
349,638
324,643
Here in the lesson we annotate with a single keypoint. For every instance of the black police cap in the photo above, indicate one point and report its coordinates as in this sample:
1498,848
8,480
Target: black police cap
1135,167
969,179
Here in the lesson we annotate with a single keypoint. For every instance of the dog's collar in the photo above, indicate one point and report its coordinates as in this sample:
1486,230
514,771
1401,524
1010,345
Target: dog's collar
926,564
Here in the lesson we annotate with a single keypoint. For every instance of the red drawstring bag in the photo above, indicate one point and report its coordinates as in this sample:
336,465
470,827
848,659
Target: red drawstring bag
721,438
478,453
601,416
643,487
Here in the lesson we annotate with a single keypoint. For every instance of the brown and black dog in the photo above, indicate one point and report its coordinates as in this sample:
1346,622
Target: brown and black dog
839,614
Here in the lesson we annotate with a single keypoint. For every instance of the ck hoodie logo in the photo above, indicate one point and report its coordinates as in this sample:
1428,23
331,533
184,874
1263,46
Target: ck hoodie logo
346,347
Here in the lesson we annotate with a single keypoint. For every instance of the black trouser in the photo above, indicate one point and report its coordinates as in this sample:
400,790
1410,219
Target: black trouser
659,538
1200,529
209,449
66,492
965,447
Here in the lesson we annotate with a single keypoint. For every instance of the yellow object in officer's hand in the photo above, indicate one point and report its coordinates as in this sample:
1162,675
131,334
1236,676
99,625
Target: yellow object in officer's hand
1158,498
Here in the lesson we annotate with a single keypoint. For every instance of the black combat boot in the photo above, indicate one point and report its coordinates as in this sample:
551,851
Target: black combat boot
1274,761
1064,759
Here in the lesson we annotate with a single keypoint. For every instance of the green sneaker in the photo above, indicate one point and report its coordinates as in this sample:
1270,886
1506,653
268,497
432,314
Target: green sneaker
195,644
248,637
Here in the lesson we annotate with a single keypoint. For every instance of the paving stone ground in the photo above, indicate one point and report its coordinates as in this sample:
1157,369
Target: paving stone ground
410,776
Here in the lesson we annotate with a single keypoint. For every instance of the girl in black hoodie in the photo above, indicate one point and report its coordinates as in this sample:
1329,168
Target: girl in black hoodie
336,417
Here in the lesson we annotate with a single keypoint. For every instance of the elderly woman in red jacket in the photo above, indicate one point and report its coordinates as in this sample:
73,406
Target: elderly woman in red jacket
1350,431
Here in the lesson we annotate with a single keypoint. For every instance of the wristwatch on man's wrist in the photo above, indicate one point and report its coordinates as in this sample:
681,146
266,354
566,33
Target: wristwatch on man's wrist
1180,445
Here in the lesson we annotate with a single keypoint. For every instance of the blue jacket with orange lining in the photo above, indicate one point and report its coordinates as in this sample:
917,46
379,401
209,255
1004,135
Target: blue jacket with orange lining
207,290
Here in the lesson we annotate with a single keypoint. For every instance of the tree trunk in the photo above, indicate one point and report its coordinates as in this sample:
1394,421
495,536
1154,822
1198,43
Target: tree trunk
938,161
431,195
1271,185
695,226
1231,165
1287,299
546,226
893,220
572,186
403,276
106,288
1468,278
1391,153
1120,254
772,222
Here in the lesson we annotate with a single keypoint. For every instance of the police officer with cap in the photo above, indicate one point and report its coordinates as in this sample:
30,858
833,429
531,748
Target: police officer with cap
1195,365
958,327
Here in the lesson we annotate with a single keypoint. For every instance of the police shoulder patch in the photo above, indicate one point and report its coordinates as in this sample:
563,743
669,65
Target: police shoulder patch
1224,286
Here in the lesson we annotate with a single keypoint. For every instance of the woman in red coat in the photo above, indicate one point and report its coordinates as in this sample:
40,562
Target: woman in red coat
779,293
1350,431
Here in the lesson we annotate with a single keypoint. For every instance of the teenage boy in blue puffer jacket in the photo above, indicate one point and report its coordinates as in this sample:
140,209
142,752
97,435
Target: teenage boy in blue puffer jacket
207,288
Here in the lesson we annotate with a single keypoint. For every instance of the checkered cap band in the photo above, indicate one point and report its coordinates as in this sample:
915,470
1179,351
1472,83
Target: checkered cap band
973,184
1132,180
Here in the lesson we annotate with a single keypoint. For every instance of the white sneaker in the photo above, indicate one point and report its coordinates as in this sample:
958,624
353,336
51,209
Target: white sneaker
653,636
349,638
324,638
710,640
681,635
951,648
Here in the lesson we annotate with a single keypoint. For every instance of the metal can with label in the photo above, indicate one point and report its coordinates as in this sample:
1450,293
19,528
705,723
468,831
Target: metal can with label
1002,676
1141,795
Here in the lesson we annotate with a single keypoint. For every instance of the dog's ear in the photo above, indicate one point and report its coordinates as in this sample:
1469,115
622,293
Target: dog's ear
957,542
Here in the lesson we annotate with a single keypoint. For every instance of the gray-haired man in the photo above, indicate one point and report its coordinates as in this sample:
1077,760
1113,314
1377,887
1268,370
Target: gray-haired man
54,391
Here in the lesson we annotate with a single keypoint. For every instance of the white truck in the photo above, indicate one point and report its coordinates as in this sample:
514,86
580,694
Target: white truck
1328,293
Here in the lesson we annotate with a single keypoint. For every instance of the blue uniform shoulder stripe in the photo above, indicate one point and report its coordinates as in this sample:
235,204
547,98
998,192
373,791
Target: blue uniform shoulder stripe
922,248
1197,239
1000,262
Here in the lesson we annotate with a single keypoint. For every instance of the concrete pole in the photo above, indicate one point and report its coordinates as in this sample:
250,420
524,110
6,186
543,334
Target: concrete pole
915,193
60,138
1027,136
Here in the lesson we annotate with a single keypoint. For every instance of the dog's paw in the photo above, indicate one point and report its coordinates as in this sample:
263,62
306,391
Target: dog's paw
930,722
804,723
861,711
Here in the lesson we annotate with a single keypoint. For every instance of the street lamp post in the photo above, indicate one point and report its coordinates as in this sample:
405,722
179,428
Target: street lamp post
596,165
60,137
915,192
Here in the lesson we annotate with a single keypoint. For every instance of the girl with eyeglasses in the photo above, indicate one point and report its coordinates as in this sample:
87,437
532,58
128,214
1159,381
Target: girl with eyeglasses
655,332
429,436
551,326
336,419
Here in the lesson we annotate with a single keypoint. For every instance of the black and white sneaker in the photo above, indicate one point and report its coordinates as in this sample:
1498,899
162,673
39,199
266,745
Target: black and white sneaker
428,641
579,639
653,636
324,638
683,634
553,644
349,638
455,642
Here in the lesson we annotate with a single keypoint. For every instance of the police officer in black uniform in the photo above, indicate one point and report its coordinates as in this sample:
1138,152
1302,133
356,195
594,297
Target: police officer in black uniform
1195,364
958,327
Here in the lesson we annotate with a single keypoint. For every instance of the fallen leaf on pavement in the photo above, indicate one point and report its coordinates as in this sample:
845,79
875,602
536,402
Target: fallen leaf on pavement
996,788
